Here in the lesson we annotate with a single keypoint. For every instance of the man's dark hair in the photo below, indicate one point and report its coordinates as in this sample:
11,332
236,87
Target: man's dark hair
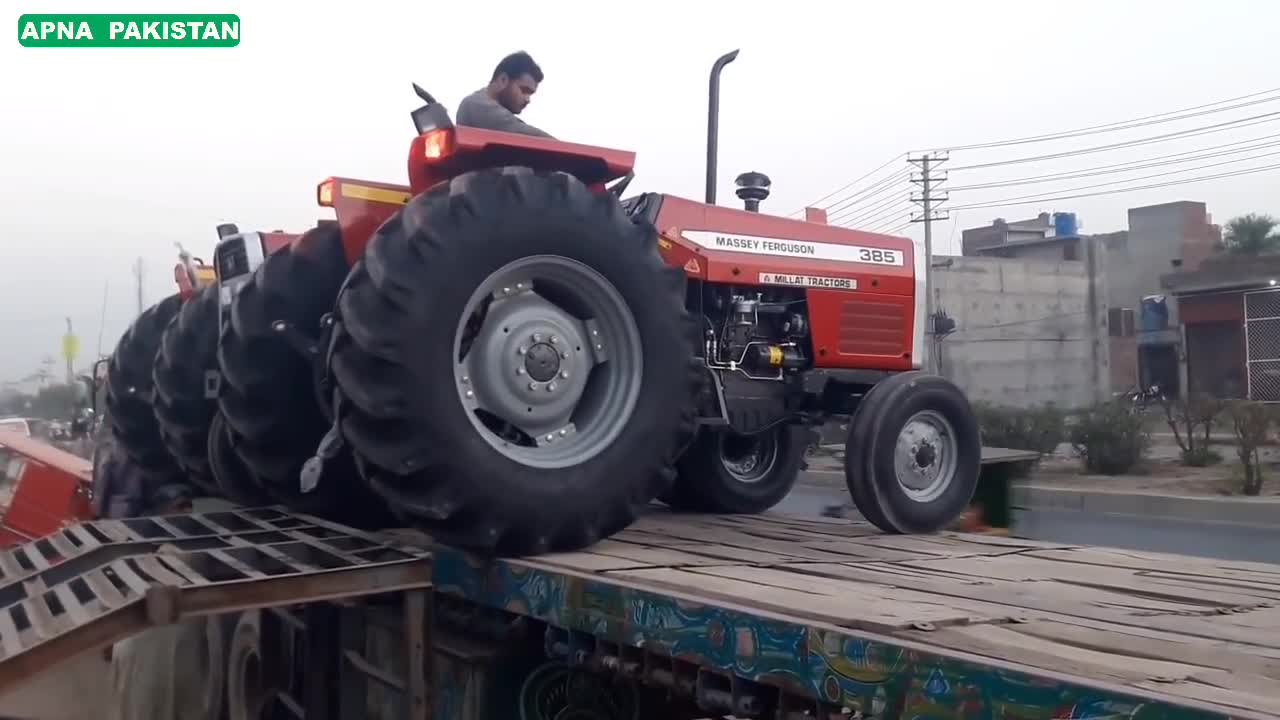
517,64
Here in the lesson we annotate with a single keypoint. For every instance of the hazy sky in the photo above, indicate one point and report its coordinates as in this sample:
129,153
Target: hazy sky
109,155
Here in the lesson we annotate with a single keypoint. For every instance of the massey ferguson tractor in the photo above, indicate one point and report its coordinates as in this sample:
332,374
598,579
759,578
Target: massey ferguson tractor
511,356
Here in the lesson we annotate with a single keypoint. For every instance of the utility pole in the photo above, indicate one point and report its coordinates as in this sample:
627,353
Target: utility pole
928,180
137,276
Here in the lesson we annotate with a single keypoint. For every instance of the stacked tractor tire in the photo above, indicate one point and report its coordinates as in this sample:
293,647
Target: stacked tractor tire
452,309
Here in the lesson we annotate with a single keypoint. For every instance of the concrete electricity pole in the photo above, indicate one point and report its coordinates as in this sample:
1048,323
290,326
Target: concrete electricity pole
928,180
137,275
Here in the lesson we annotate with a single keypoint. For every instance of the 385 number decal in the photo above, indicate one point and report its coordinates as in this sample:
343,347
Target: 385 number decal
880,257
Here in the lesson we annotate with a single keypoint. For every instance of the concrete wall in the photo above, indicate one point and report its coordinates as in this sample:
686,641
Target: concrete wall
1027,331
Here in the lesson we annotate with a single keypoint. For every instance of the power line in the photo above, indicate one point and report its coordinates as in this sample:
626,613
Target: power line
885,184
858,214
1152,175
867,220
1008,202
851,183
1128,165
1263,118
1125,124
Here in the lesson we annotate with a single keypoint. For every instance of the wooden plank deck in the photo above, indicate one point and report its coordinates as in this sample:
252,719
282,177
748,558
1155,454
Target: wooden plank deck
1197,630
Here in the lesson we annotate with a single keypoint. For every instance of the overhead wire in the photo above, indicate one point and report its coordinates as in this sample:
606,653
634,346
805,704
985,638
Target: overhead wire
1006,202
850,184
884,184
1200,154
1263,118
1143,121
1147,177
856,213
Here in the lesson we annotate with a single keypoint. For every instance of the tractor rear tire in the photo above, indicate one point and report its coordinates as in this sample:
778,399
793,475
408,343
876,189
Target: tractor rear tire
409,409
130,389
913,454
708,482
268,387
234,480
188,353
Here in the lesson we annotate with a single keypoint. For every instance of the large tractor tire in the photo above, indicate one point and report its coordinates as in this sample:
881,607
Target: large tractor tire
913,454
727,472
123,489
188,353
234,480
268,390
502,307
130,389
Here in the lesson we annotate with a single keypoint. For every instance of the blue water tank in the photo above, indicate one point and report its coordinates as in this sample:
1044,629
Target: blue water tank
1064,224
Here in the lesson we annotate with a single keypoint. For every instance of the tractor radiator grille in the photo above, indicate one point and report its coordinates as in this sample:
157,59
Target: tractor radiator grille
868,327
232,260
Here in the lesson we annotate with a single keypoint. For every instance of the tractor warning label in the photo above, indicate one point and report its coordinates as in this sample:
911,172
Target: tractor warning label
814,281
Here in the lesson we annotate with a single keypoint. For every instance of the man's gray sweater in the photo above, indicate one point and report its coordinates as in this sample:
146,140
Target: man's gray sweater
480,110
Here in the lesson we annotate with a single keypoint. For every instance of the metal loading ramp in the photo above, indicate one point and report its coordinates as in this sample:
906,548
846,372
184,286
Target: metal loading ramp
94,583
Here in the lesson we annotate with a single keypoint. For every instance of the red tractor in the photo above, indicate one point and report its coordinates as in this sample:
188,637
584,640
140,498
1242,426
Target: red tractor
512,356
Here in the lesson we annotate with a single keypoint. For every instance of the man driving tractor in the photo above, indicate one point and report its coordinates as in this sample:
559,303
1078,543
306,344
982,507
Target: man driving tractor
495,106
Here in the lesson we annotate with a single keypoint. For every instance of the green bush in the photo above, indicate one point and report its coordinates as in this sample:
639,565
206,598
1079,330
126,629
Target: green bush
1111,438
1039,429
1201,457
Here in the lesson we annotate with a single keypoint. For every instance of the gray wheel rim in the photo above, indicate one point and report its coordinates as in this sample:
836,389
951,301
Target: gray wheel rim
926,456
756,460
551,373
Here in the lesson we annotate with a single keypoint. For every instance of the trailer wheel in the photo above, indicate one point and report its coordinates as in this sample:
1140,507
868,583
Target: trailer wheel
130,388
268,392
248,685
913,454
515,363
727,472
188,353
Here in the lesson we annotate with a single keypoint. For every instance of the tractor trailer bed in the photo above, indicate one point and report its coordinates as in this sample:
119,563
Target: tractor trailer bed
806,614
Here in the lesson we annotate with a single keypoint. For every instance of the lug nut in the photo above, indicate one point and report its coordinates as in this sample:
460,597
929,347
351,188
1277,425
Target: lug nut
520,370
470,394
564,354
519,286
550,438
537,337
564,433
465,379
551,387
555,340
522,350
506,291
599,346
564,374
533,386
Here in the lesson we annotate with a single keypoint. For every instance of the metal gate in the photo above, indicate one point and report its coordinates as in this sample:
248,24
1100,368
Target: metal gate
1262,344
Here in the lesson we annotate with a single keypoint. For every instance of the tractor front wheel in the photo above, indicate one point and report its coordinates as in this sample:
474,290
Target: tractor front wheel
727,472
515,363
913,454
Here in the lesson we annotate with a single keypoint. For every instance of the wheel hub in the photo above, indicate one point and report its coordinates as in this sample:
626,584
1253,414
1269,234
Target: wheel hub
749,458
925,456
542,362
552,370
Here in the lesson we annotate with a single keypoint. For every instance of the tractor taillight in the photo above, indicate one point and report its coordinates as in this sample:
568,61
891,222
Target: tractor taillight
437,144
324,193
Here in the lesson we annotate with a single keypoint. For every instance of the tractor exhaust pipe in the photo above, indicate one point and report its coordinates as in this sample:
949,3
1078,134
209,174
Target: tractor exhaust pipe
713,122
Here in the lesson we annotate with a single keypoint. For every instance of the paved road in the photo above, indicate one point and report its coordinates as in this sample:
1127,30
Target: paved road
1228,541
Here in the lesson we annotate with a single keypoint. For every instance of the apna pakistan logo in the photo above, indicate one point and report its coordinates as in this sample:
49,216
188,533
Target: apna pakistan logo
106,30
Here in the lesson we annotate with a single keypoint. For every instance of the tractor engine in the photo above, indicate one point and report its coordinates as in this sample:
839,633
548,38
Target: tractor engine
760,332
